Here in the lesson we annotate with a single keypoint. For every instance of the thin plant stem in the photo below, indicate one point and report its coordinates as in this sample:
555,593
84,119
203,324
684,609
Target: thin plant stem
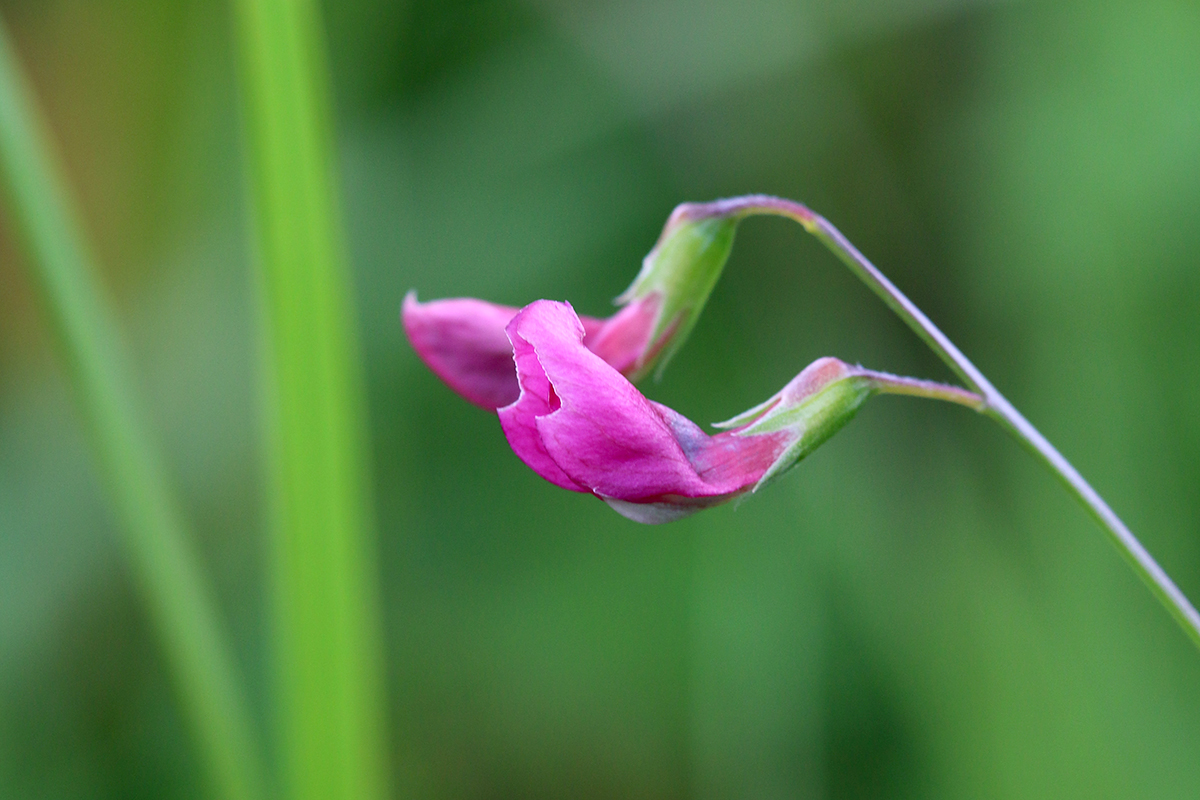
995,404
886,383
326,622
155,538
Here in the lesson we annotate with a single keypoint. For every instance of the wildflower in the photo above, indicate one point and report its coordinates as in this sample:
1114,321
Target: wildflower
583,426
462,339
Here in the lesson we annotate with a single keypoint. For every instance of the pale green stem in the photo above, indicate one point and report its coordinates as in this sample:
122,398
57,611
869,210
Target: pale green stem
156,540
995,405
885,383
326,619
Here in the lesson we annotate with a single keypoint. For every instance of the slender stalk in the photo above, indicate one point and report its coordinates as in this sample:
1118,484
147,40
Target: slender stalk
155,538
995,405
886,383
326,619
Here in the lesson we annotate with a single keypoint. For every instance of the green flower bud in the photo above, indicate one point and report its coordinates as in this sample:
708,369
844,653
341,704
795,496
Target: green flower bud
812,407
823,398
680,272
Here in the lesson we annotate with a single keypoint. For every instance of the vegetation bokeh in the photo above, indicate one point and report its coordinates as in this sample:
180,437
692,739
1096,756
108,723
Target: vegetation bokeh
917,610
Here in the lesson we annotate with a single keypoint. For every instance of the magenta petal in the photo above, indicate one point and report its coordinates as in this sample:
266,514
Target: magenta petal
622,340
728,459
603,436
463,341
537,399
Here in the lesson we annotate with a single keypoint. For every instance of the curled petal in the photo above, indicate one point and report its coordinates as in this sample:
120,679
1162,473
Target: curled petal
463,341
581,425
537,399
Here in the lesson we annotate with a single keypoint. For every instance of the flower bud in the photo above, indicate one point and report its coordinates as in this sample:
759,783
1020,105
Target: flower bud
679,274
682,269
811,408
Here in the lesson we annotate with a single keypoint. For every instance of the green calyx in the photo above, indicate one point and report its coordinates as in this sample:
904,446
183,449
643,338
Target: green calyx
679,274
812,408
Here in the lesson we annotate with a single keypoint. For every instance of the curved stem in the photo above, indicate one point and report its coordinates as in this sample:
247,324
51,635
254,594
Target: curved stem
995,405
886,383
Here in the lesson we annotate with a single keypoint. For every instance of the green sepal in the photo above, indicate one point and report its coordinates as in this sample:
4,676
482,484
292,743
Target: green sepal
680,272
812,407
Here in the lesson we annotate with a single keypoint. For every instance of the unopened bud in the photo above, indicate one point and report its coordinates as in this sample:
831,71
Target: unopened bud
811,408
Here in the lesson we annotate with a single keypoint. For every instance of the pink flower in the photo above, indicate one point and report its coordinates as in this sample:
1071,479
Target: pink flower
463,341
581,425
570,412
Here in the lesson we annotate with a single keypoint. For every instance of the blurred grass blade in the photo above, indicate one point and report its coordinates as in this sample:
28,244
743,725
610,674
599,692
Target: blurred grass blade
326,618
156,542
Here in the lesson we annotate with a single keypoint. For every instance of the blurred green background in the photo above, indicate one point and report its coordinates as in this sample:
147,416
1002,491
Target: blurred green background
916,611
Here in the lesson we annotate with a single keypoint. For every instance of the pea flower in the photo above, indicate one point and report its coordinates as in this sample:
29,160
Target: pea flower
462,340
583,426
571,413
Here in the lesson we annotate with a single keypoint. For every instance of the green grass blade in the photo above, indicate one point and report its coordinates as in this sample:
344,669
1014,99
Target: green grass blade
155,539
326,616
